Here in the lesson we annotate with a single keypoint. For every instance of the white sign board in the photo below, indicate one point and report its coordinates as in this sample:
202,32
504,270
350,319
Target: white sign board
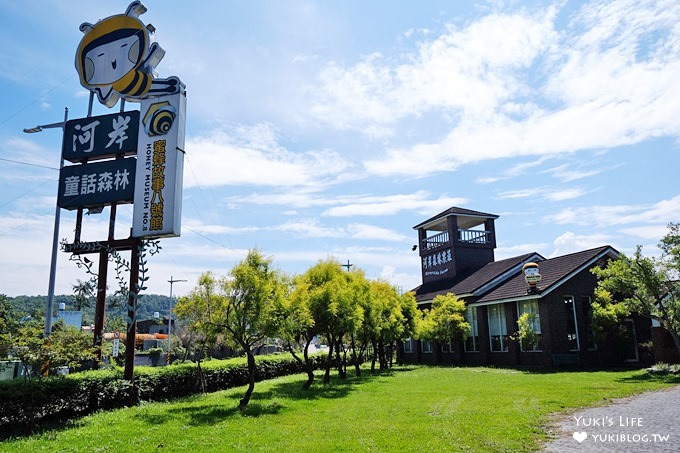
160,167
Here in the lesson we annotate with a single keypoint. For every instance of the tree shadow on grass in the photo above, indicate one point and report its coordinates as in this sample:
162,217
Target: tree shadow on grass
646,377
337,388
209,414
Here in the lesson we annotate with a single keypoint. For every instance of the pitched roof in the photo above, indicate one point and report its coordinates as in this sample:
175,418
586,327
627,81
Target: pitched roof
554,272
471,283
456,211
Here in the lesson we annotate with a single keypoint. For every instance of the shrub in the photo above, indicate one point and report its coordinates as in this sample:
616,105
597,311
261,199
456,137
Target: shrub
24,404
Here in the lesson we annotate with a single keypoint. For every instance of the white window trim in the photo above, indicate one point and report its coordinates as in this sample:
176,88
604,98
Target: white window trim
422,347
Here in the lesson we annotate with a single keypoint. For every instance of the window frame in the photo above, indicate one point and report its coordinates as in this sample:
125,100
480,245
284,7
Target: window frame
575,320
408,341
474,330
536,323
502,328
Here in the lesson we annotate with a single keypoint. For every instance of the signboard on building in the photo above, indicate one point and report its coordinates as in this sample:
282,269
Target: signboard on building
160,167
438,265
97,184
101,137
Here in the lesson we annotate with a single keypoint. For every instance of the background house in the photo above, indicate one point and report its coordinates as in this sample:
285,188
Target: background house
457,256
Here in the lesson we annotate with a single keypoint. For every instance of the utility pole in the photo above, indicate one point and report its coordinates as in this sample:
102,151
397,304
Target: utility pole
171,281
55,236
348,265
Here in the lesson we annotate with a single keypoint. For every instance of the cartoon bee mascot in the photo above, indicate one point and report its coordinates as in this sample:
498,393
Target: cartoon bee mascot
116,58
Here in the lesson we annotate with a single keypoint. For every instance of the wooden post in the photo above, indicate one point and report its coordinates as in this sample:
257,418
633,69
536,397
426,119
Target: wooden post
100,306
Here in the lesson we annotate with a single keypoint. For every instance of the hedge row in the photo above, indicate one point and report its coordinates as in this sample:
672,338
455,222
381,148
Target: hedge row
26,404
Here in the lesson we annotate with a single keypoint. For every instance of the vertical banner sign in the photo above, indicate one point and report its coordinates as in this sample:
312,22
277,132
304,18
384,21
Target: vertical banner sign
160,167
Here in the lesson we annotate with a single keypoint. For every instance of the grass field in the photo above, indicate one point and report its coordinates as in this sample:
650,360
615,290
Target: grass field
406,409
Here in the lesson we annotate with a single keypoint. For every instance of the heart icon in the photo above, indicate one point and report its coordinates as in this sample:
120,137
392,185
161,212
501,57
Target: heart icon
580,436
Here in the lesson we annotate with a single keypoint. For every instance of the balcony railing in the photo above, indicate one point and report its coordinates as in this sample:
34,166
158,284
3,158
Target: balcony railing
464,236
436,240
474,236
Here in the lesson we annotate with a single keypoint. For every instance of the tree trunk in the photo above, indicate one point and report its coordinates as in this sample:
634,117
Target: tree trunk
329,362
201,377
342,372
251,381
382,357
355,357
374,355
308,366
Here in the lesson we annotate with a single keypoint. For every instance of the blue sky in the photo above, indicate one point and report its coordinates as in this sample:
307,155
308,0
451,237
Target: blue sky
319,129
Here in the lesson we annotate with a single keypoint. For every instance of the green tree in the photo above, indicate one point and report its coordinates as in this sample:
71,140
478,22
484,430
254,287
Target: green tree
296,326
246,315
647,286
526,333
384,322
9,322
445,320
335,311
195,310
242,309
83,293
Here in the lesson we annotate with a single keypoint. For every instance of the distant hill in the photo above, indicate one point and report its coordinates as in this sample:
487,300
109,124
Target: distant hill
115,307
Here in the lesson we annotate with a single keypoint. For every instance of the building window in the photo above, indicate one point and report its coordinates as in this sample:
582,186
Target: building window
498,333
408,346
531,307
426,346
472,341
447,347
572,329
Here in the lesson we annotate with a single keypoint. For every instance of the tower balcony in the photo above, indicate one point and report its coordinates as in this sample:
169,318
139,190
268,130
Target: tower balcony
464,236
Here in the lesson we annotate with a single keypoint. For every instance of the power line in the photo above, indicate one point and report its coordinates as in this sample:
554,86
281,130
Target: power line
28,163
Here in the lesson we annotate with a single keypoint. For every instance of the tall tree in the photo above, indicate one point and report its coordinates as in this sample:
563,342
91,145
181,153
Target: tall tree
647,286
246,315
195,311
9,322
334,309
83,293
296,326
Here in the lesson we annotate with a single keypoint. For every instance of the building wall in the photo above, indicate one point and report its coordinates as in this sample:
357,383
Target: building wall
555,344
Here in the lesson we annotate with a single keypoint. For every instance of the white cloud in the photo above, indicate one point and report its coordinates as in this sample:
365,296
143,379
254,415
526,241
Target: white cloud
603,88
314,228
251,156
544,193
663,211
468,69
565,194
508,251
570,243
568,173
392,204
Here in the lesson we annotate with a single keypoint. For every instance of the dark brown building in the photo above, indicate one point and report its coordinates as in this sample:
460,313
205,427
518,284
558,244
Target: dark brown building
457,256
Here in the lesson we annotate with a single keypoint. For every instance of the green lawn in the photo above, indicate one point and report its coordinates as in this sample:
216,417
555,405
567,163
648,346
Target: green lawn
408,409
